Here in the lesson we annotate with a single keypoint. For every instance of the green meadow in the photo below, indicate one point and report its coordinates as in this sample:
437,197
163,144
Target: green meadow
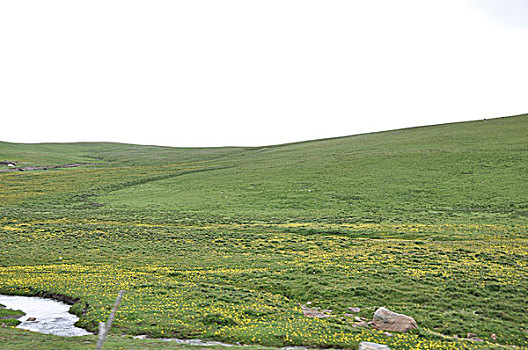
227,243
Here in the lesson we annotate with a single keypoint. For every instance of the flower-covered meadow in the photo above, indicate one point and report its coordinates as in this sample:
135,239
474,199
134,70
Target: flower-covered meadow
246,284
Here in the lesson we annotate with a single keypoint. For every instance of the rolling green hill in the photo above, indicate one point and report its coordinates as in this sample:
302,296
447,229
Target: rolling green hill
451,173
224,243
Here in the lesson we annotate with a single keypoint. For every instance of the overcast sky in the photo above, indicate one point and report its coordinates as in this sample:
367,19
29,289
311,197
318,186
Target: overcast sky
225,72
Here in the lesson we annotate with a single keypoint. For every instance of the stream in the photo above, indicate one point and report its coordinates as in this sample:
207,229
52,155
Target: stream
52,317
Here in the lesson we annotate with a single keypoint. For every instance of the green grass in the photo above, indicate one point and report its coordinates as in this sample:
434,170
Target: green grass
9,317
15,339
451,173
224,243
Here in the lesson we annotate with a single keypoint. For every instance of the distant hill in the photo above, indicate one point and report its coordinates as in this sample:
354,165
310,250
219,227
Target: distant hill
460,172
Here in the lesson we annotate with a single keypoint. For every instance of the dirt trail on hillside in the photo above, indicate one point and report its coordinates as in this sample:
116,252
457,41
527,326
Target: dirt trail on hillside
29,168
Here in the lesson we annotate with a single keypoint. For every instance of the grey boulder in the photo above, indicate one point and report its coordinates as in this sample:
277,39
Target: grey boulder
392,321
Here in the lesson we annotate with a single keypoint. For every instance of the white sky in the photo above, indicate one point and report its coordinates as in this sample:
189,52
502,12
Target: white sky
226,72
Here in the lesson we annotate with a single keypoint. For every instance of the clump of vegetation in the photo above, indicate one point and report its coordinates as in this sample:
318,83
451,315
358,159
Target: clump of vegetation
9,317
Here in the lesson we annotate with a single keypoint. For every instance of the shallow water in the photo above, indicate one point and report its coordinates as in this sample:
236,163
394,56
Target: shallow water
200,342
52,317
197,342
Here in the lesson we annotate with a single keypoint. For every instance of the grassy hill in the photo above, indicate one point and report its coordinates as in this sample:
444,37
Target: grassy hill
224,243
450,173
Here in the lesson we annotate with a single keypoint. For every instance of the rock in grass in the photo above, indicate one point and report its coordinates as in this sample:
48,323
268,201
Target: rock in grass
476,339
473,337
365,345
309,312
392,321
354,309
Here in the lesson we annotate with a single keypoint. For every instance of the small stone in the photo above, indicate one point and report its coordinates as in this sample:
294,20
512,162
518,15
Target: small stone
31,319
493,336
476,339
365,345
354,309
141,336
360,324
309,312
456,336
359,319
3,325
388,334
471,335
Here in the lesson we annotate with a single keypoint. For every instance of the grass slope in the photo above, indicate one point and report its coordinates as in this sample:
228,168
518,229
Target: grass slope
449,173
224,243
